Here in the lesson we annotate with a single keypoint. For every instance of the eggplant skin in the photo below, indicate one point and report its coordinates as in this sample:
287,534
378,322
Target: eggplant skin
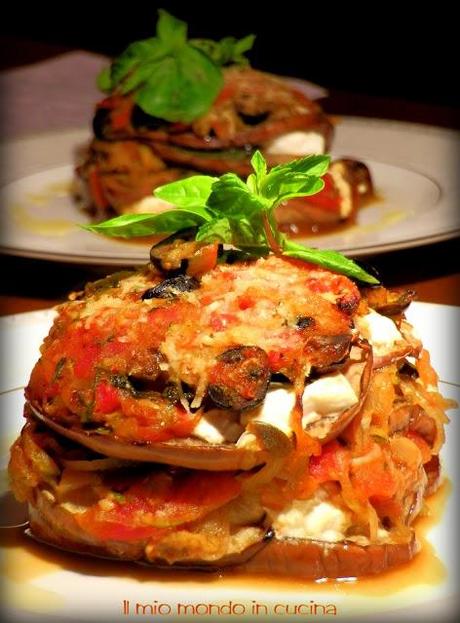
434,475
185,452
313,560
305,559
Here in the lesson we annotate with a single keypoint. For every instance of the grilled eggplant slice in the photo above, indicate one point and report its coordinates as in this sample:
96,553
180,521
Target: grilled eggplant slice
189,452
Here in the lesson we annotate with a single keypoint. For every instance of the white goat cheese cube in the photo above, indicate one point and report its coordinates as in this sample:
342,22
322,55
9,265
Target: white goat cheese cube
380,331
331,393
315,518
297,143
217,426
275,409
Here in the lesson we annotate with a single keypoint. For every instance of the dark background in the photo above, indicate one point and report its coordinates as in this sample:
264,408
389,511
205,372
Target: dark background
394,60
404,50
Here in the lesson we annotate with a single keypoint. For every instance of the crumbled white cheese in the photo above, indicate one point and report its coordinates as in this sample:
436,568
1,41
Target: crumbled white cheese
315,518
275,409
383,536
330,394
297,144
380,331
217,426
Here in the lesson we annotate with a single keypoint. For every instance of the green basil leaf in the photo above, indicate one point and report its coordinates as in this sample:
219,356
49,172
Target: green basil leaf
251,183
328,259
244,45
259,164
312,165
212,49
190,192
298,178
226,51
216,230
134,225
104,81
180,87
147,50
231,196
170,30
172,78
138,77
228,210
249,232
245,233
291,185
159,88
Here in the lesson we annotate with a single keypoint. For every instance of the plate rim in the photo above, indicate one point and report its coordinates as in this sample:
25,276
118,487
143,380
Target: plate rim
110,258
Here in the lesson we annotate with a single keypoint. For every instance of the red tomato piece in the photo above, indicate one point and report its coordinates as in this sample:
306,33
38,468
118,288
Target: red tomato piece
116,528
373,480
331,464
107,399
155,506
245,301
84,360
329,198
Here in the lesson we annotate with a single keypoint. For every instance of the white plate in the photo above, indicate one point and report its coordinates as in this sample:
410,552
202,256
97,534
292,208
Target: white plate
88,590
413,167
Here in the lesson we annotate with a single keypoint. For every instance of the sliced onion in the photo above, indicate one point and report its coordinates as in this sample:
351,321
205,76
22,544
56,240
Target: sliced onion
398,354
374,453
185,452
264,475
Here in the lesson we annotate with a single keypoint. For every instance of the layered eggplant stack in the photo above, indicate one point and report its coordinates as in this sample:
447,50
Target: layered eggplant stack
133,152
207,411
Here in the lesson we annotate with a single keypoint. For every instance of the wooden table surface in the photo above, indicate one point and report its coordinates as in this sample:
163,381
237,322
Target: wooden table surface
432,270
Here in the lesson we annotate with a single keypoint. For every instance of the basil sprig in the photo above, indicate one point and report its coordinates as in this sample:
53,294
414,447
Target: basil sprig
227,51
242,214
173,78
